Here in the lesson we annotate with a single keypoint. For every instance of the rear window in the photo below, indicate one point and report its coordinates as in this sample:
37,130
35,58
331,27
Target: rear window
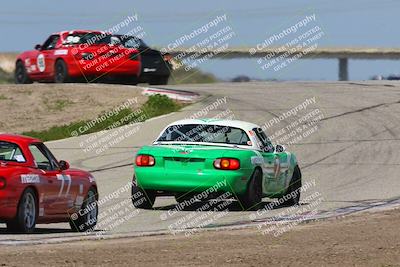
11,152
132,42
88,38
205,133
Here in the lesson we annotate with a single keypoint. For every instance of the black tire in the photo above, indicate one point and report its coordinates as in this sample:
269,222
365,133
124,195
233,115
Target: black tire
20,74
161,80
253,196
142,199
86,219
61,72
25,220
294,188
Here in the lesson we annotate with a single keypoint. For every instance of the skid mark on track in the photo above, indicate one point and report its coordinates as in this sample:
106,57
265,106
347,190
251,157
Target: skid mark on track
360,110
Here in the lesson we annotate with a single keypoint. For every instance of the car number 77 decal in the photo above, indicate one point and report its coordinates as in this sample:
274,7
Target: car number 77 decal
64,178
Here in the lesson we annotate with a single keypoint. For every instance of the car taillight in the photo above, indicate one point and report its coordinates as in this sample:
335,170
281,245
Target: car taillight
227,164
3,183
145,160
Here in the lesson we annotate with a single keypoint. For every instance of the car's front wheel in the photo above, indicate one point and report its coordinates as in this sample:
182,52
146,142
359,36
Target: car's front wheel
86,218
253,195
21,76
25,221
292,196
142,199
61,72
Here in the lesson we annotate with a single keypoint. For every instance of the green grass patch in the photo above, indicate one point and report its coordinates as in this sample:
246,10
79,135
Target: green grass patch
3,97
156,105
58,105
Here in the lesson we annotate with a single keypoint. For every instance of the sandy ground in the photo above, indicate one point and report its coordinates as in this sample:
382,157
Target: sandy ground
41,106
361,240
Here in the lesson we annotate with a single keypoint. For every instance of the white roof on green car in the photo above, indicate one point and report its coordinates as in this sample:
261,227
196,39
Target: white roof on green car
244,125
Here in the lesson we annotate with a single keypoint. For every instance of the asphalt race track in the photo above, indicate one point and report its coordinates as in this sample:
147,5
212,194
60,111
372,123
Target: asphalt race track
352,156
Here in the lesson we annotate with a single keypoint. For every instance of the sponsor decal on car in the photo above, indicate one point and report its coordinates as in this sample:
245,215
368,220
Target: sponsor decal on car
149,69
41,63
30,179
78,201
92,179
61,52
19,158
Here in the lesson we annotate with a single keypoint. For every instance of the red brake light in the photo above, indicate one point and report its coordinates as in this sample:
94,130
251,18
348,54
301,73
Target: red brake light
145,160
3,183
227,164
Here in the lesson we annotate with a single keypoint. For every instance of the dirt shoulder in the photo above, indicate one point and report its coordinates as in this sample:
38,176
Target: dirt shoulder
41,106
361,240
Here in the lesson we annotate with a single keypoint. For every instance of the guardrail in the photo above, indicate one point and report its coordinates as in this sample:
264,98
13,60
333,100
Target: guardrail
342,54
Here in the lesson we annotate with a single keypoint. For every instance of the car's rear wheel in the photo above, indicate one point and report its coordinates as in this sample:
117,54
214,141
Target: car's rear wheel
86,219
20,75
142,199
293,192
161,80
253,196
61,72
25,221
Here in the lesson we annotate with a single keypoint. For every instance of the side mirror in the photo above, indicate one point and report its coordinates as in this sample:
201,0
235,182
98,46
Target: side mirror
280,148
64,165
38,47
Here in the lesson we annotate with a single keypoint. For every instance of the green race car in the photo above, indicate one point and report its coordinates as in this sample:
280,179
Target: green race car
199,159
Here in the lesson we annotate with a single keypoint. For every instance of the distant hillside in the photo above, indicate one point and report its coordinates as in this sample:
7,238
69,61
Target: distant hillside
180,76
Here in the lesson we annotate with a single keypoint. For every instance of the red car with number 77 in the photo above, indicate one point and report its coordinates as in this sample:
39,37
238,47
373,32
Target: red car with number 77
36,188
79,55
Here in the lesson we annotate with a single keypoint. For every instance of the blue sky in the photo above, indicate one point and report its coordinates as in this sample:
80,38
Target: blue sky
351,23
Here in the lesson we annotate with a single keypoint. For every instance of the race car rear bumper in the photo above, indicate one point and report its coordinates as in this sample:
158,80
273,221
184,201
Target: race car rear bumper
192,181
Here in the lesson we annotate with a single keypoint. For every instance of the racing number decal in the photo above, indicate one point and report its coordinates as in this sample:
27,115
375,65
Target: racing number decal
64,178
277,167
41,63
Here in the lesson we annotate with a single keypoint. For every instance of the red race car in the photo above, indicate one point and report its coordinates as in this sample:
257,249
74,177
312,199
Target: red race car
36,188
79,55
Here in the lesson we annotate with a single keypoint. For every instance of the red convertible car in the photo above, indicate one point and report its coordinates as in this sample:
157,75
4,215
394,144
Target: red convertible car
79,55
36,188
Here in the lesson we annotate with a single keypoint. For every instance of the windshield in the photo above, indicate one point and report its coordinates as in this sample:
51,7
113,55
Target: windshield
88,38
205,133
10,152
